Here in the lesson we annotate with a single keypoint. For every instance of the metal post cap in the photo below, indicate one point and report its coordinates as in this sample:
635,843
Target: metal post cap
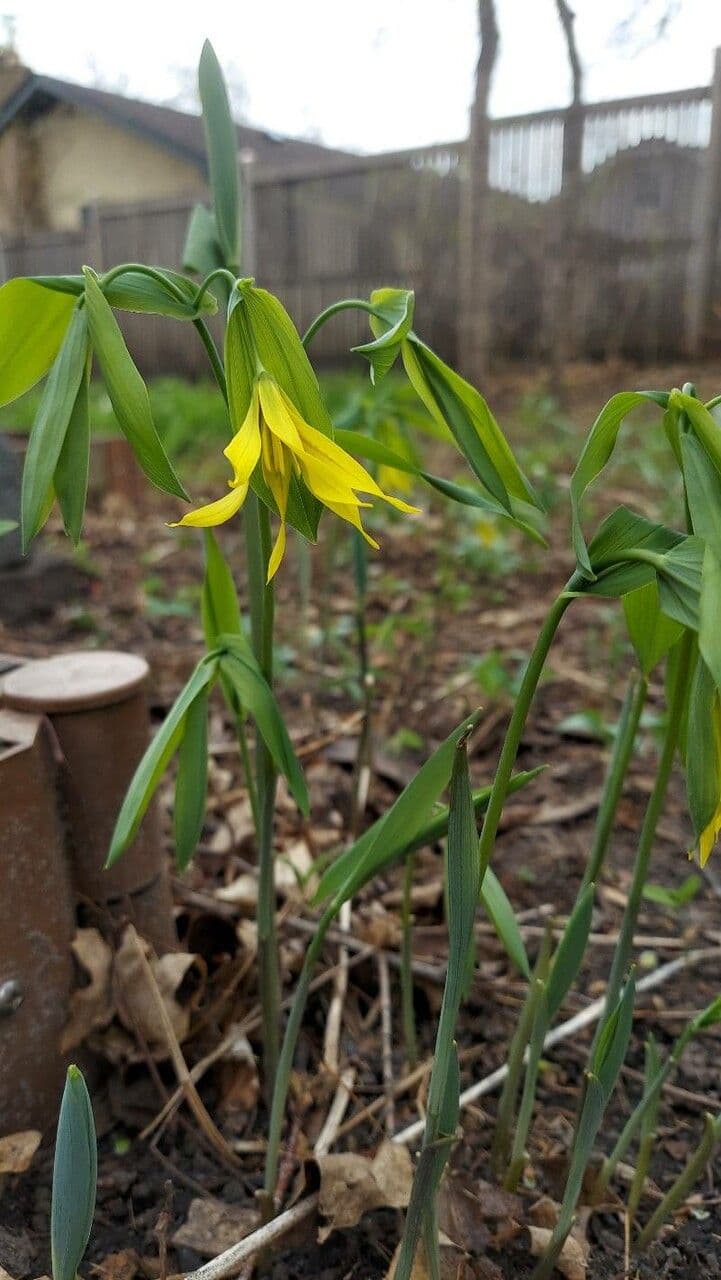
79,681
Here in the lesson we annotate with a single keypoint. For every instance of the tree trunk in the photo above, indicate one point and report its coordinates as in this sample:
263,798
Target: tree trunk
565,250
474,257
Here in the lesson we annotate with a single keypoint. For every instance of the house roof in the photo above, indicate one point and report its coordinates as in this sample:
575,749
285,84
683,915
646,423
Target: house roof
178,131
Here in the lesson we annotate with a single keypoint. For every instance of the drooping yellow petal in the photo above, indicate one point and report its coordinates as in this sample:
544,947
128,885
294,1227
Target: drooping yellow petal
279,414
352,515
244,449
708,837
215,512
322,449
277,553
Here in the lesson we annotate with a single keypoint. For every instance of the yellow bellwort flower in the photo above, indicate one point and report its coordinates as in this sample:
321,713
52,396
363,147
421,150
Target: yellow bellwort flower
275,434
712,830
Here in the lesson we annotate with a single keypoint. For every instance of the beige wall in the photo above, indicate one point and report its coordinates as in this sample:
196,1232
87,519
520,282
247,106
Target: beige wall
81,159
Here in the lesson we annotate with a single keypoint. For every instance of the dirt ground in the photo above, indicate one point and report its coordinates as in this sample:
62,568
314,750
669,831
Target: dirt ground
447,634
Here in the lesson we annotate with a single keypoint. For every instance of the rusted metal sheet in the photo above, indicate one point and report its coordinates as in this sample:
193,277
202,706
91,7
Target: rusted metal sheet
37,923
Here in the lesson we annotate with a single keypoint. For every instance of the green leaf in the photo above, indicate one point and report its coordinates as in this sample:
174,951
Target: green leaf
503,919
673,898
709,632
679,581
75,1175
191,785
453,402
397,306
365,446
51,424
71,473
570,952
202,252
127,391
430,832
710,1016
703,491
703,756
219,602
597,450
157,757
396,831
221,141
613,1042
32,327
651,632
703,424
136,291
624,532
253,691
463,874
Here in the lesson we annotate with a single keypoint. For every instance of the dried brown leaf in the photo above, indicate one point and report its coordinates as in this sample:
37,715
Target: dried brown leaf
573,1258
92,1005
351,1185
17,1150
212,1226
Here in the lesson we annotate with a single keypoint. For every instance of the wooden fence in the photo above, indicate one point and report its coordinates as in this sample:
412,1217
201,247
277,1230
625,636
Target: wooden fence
645,246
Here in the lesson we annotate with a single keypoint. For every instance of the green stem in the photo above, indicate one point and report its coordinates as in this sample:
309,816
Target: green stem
262,605
215,361
407,1005
624,946
683,1184
214,275
517,723
346,304
290,1040
633,705
140,268
247,768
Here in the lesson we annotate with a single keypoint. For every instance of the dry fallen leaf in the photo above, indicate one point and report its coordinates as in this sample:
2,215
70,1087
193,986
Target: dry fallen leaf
351,1185
212,1226
573,1258
17,1150
124,1265
91,1006
134,1000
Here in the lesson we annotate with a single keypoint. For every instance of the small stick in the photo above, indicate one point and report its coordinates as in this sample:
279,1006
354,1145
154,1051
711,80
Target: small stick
180,1066
386,1040
331,1048
251,1023
580,1020
343,1094
227,1263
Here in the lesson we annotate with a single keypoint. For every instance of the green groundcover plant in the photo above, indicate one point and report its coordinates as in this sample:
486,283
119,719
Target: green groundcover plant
287,465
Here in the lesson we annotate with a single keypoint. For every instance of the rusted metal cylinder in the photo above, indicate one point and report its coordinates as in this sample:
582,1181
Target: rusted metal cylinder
37,923
96,705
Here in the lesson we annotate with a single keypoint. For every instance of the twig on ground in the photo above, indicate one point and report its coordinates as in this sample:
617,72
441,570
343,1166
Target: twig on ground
227,1263
179,1064
580,1020
386,1040
342,1096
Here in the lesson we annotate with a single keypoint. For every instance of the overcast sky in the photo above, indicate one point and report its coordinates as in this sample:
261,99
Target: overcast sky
375,75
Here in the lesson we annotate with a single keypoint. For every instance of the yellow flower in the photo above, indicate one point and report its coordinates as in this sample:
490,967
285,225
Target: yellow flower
711,831
275,434
709,836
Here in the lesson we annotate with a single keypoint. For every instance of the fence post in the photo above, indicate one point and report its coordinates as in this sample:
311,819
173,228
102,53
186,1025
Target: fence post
248,251
93,253
703,280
